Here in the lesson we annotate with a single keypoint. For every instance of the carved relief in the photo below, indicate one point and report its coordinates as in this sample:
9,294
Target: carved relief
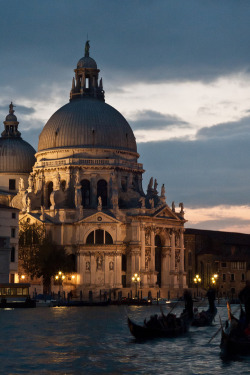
111,266
87,266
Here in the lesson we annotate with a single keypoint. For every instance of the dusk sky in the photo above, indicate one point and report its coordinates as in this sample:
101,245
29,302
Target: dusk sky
179,72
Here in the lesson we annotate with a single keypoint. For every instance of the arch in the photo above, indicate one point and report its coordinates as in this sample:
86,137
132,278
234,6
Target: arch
85,189
102,191
99,237
49,191
158,251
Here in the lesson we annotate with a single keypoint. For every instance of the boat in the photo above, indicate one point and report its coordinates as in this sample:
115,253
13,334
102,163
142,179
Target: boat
205,318
166,326
235,338
28,303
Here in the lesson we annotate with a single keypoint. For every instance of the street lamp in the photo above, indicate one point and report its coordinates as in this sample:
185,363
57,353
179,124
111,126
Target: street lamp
214,279
197,280
135,279
60,277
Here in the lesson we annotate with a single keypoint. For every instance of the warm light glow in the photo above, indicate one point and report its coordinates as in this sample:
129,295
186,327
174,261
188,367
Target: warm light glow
23,277
73,276
215,276
59,273
133,279
197,279
135,275
63,277
57,277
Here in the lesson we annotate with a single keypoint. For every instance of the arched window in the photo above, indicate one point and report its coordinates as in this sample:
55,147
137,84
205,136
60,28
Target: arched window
102,191
99,237
49,191
85,193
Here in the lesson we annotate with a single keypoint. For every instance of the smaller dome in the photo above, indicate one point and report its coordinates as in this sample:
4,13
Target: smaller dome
16,155
87,62
11,117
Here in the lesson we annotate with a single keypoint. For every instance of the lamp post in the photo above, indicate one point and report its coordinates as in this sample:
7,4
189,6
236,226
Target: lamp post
197,280
135,279
60,277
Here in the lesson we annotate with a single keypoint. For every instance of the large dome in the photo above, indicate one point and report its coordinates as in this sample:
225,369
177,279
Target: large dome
87,122
16,155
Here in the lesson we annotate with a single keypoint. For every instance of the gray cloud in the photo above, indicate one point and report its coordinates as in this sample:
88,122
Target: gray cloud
140,40
234,129
205,172
219,224
155,120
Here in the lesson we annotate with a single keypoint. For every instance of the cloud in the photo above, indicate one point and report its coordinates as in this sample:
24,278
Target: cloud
225,218
200,173
234,130
149,119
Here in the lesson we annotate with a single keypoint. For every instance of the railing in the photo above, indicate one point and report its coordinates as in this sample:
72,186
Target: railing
72,161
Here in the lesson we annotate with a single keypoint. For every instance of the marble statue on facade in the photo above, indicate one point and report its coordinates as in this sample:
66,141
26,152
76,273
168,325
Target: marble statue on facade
142,201
21,184
99,262
99,203
152,202
173,206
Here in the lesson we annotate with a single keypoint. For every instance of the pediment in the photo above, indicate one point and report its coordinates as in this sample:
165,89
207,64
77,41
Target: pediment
100,217
31,218
166,213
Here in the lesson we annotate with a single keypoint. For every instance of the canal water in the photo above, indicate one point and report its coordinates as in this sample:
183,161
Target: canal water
96,340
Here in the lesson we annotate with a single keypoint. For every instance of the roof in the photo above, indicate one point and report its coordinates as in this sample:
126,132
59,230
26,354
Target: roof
87,122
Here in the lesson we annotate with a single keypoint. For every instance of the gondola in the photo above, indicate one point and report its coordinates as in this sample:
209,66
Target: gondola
205,318
234,340
164,325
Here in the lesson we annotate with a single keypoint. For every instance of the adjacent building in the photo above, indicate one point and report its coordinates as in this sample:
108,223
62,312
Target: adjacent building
225,254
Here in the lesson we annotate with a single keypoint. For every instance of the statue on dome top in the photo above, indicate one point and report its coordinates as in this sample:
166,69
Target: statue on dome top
11,108
87,47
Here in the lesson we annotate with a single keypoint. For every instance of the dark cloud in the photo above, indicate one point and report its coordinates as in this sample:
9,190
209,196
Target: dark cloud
205,172
155,120
131,41
234,129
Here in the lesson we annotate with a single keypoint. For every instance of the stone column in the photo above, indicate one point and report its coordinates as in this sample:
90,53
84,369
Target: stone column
118,271
92,269
173,275
106,271
152,243
142,269
93,191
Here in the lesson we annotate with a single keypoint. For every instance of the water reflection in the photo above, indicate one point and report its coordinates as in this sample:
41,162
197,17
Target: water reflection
97,340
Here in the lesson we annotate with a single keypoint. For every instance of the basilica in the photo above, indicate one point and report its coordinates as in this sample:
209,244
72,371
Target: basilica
85,188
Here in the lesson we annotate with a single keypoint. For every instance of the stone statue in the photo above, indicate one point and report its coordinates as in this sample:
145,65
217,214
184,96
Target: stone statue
87,47
173,206
150,185
78,197
99,203
21,184
151,202
28,204
111,266
30,182
77,178
181,205
99,262
57,184
163,191
87,266
155,185
11,108
142,201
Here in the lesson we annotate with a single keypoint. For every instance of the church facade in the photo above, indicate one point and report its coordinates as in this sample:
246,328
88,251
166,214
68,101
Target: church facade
86,190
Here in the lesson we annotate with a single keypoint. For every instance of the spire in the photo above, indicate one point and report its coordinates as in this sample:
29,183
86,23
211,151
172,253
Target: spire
11,124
